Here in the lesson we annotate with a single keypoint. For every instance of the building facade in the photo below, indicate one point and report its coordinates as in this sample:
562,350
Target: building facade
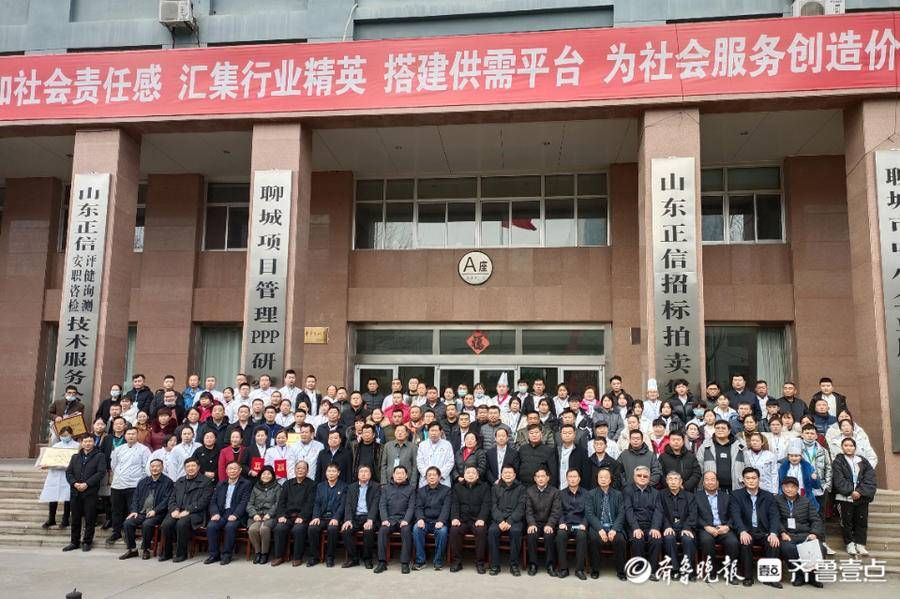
568,170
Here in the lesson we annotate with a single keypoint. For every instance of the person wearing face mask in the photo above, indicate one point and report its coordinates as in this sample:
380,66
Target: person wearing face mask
56,487
115,394
66,406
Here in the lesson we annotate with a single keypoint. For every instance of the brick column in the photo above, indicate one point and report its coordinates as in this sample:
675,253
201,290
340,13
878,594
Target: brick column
288,146
30,212
112,151
869,126
666,133
168,274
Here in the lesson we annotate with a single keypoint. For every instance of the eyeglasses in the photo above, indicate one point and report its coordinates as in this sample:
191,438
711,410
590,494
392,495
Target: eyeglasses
642,475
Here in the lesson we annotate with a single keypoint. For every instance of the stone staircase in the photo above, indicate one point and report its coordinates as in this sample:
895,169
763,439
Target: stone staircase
21,517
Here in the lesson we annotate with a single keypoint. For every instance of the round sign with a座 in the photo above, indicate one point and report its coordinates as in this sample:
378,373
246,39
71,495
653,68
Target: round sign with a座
475,268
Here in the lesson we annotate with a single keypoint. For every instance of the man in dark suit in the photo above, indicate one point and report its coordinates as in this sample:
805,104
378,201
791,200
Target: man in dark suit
334,453
227,512
570,456
641,504
84,474
757,523
187,511
601,460
800,522
501,455
309,396
715,521
676,517
361,513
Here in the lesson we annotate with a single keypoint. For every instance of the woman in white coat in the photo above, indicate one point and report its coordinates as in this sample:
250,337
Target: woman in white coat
56,487
846,427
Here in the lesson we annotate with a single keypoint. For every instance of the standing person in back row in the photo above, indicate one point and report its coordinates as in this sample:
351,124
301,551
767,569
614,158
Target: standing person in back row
837,403
85,472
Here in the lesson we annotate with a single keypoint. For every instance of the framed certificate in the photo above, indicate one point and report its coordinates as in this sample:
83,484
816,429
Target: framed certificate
55,457
76,422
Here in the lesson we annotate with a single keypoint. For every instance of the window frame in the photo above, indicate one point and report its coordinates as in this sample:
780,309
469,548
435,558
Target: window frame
479,201
726,193
227,206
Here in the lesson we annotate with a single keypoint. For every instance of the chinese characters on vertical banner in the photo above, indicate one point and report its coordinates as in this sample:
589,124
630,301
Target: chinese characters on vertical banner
80,304
887,188
675,292
267,268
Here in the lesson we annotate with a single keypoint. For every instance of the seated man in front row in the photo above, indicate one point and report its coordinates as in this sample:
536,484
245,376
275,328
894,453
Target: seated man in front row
757,523
397,507
507,512
800,522
187,511
640,515
542,512
148,508
715,523
227,512
676,516
432,516
361,514
328,512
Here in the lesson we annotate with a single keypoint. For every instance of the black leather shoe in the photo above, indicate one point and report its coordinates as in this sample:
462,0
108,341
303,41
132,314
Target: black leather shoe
71,547
595,574
479,567
111,540
178,559
456,567
797,582
263,558
86,546
404,568
368,564
774,585
64,524
620,576
381,567
350,563
561,574
225,561
532,569
514,570
748,582
329,562
494,571
145,554
580,575
734,580
312,562
164,558
815,583
129,554
256,557
211,559
551,571
48,524
438,567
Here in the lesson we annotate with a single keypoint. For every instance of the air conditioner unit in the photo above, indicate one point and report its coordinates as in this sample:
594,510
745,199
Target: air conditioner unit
177,14
812,8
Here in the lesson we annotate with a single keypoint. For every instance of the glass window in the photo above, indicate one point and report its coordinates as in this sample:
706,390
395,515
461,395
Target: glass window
220,352
398,231
494,223
369,225
745,179
431,228
369,190
490,377
461,224
393,341
526,217
565,342
445,189
228,193
129,355
559,185
238,226
500,341
549,374
454,377
216,225
712,179
593,185
425,374
741,225
755,352
140,217
592,221
559,222
382,375
768,217
511,187
400,189
713,218
577,380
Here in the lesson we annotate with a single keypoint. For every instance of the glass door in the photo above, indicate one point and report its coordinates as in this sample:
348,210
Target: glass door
383,374
425,374
490,375
453,377
577,379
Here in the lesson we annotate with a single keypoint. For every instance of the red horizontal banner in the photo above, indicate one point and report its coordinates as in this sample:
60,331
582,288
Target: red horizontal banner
846,52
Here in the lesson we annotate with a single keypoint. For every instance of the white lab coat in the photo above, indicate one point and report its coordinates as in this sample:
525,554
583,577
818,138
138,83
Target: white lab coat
56,487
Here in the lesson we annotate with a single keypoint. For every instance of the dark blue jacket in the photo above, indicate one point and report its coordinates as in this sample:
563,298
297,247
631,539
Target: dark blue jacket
572,506
640,507
330,500
433,505
726,506
397,502
807,484
239,499
162,489
767,517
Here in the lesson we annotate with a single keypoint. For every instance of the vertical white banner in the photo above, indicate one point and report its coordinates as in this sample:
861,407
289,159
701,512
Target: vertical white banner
267,268
887,190
676,296
76,347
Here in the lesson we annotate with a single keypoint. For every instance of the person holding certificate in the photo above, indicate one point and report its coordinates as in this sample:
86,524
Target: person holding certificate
56,487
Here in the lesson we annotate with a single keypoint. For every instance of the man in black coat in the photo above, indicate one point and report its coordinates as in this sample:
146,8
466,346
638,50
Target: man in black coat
507,513
361,513
397,507
677,458
293,513
640,515
501,455
837,403
470,513
335,453
757,522
141,395
676,517
148,508
536,454
800,522
570,455
85,472
187,511
542,512
601,460
227,512
715,521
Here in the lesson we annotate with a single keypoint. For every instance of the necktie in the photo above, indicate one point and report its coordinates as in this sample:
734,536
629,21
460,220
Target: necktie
605,517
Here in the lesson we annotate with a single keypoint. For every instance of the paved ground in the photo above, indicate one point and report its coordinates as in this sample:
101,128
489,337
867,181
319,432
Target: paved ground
39,573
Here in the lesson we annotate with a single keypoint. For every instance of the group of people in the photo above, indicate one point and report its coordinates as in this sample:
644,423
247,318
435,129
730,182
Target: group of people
677,481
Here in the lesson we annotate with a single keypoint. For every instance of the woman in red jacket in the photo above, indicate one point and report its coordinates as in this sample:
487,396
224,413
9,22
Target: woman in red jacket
233,452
